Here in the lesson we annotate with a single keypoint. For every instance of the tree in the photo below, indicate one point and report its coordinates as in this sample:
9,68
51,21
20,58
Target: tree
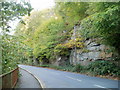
12,48
72,12
103,22
11,11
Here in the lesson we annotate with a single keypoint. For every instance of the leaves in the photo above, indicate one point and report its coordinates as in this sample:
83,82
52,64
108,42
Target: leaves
11,11
13,50
104,24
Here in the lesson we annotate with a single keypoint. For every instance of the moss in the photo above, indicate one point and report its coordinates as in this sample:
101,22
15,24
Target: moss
85,50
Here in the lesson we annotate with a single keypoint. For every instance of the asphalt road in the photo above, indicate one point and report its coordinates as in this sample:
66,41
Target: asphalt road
25,80
50,78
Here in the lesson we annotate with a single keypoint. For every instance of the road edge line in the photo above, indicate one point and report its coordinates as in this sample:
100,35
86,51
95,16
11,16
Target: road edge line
40,82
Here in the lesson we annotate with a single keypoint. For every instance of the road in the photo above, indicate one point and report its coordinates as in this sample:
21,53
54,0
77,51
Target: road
50,78
25,80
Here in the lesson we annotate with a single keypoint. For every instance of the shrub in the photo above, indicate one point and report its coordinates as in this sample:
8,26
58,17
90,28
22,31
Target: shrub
61,50
44,65
103,68
78,68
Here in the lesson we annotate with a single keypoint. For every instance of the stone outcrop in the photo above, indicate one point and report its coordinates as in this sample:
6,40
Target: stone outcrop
91,52
61,61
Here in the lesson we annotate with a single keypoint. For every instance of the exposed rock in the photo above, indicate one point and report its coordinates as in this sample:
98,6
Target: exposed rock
61,61
91,52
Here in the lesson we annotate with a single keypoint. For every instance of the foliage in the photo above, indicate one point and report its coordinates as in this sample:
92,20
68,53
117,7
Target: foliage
47,36
64,49
78,42
84,50
71,12
61,50
13,51
11,11
104,23
43,38
104,68
96,68
78,68
64,68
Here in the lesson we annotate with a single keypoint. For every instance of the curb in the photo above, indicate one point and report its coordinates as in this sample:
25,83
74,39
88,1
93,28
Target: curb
39,81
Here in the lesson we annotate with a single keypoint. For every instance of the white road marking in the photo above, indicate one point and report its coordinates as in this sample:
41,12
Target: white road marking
78,80
73,78
99,86
102,87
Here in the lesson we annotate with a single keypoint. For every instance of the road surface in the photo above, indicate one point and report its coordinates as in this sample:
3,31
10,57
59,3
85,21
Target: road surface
25,80
50,78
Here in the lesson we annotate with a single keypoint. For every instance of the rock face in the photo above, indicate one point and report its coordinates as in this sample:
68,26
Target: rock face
91,52
61,61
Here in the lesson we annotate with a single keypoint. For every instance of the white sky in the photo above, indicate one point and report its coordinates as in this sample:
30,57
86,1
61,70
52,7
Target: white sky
37,5
42,4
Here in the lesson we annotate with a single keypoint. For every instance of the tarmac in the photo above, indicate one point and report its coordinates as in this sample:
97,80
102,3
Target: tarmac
27,80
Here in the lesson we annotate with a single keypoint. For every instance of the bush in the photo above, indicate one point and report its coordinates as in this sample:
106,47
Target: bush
104,68
44,65
78,68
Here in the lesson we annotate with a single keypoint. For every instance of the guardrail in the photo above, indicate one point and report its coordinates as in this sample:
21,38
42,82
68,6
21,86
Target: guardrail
9,80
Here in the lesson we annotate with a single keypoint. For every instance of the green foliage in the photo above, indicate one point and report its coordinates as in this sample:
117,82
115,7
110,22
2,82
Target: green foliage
78,42
64,68
96,7
78,68
47,36
13,50
11,11
96,68
84,50
104,24
61,50
104,68
71,12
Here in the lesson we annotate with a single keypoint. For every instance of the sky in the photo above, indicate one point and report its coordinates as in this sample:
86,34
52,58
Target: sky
37,5
41,4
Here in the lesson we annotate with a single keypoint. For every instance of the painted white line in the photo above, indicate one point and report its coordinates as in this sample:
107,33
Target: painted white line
79,80
73,78
102,87
99,86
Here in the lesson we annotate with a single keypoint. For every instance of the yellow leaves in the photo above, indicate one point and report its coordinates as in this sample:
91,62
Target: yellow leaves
79,39
43,47
72,43
69,45
80,44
